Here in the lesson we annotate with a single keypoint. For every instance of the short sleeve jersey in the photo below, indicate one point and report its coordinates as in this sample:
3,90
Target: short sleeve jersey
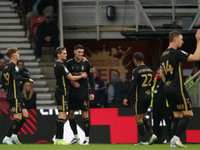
11,81
142,80
171,63
61,72
78,68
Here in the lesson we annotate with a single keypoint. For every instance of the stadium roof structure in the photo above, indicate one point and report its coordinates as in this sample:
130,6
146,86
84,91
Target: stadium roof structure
161,33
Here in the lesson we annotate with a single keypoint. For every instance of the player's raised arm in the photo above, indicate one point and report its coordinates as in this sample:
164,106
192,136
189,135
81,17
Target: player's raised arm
196,55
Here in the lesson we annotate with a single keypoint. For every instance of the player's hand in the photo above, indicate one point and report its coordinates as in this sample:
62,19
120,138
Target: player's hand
91,97
125,102
31,80
84,59
198,35
75,84
84,75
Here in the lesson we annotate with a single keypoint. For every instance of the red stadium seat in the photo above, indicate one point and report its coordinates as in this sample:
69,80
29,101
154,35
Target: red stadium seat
34,22
4,104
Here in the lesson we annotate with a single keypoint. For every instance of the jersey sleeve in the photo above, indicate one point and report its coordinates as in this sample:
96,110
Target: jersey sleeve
161,67
182,55
68,64
133,84
16,75
91,78
64,70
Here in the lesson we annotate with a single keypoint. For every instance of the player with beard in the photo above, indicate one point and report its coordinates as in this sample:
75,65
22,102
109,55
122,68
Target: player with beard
62,92
78,98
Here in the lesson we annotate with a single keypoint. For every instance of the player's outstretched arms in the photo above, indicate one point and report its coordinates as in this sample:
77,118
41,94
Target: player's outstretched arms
196,55
71,77
193,58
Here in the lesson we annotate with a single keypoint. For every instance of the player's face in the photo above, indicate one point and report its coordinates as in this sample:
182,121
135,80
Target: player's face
79,53
63,55
179,41
16,56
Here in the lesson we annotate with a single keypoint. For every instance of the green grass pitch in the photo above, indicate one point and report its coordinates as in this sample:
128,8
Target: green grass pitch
94,147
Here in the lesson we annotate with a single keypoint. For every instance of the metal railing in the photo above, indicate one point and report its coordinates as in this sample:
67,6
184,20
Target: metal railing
194,90
192,78
169,2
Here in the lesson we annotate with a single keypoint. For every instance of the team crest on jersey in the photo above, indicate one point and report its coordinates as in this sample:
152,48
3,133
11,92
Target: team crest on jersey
82,67
72,68
16,68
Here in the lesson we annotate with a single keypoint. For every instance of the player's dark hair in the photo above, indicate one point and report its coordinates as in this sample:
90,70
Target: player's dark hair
11,51
138,56
78,47
173,35
59,50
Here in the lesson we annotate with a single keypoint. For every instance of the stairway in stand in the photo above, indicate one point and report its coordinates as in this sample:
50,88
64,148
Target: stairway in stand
12,34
